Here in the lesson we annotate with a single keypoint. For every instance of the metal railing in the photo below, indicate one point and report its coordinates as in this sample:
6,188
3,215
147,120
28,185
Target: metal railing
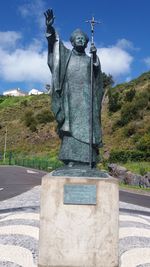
46,164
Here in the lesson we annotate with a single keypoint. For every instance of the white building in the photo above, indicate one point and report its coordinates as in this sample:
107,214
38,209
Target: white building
14,92
35,92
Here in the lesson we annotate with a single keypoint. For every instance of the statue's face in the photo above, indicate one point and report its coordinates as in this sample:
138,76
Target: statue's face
79,42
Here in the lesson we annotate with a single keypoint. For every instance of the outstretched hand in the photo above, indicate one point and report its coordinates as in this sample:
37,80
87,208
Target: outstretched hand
49,17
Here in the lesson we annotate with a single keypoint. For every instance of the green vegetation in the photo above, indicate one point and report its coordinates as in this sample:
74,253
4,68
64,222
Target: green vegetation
107,80
144,143
137,167
133,109
8,101
125,122
134,188
30,124
128,155
114,103
32,119
126,118
44,116
42,163
130,129
130,95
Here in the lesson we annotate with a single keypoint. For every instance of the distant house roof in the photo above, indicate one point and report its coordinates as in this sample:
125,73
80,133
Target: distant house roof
35,92
14,92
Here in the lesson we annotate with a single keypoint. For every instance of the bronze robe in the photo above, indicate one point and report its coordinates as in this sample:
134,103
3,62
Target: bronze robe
71,102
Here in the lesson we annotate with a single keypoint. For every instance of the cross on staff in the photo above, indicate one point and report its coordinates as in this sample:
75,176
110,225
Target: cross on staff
92,23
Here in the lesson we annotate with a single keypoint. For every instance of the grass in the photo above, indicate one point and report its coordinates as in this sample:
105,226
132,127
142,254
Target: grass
133,187
26,101
137,167
10,101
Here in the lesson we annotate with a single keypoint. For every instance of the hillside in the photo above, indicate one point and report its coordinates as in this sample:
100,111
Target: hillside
30,125
125,119
126,116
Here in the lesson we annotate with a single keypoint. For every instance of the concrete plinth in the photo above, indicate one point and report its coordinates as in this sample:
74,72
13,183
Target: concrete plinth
78,235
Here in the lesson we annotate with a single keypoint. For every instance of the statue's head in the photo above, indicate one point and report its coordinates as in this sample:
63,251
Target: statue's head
79,40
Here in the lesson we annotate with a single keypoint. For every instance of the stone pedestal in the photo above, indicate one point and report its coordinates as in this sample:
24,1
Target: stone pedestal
78,235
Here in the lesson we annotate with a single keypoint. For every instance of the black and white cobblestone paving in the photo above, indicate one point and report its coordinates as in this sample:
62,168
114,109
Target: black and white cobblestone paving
19,232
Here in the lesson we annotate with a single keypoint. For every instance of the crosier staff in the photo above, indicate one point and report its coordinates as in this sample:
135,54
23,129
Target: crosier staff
93,59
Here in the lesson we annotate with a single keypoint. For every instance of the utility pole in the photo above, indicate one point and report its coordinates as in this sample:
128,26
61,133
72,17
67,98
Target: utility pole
5,144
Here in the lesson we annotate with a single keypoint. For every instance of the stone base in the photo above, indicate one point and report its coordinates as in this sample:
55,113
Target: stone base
75,235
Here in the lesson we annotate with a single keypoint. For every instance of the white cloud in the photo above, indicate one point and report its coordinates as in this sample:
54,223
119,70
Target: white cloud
35,45
27,64
115,61
24,65
147,61
9,39
126,44
34,10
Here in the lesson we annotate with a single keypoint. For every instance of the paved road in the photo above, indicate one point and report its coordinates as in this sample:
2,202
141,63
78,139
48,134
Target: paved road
16,180
136,199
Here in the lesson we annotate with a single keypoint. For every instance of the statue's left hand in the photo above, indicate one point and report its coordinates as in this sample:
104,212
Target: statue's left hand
93,50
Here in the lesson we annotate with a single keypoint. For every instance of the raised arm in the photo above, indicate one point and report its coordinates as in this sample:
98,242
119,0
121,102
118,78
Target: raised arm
50,31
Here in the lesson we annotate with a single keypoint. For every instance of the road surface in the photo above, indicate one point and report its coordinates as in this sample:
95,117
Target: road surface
16,180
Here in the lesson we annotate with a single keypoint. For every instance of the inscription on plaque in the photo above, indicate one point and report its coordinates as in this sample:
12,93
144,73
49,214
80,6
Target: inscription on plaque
80,194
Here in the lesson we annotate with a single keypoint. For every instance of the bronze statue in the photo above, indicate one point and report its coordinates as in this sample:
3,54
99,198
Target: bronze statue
71,96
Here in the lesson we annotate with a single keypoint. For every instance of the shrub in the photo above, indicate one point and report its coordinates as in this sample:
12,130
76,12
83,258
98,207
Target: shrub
136,137
130,130
45,116
130,95
142,170
114,103
2,98
126,155
30,120
144,143
128,113
133,110
33,126
107,80
142,99
24,102
28,117
128,110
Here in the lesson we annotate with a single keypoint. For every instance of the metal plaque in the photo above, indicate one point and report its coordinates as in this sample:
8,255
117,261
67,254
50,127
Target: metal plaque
80,194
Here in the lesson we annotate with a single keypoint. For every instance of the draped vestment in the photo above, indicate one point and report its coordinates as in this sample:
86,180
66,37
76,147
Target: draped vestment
71,83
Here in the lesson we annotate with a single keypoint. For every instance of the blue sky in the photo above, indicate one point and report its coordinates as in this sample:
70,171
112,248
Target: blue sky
122,40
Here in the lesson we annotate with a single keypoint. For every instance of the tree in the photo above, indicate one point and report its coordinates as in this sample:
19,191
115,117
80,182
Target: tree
107,80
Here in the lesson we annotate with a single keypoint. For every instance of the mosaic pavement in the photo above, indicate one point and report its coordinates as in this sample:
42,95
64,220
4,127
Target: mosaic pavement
19,232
